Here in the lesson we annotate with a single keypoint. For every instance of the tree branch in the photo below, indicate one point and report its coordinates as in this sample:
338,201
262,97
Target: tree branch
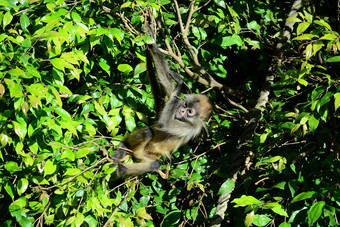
208,79
244,154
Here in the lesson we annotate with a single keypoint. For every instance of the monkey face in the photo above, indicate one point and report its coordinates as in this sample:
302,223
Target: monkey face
185,112
193,107
188,110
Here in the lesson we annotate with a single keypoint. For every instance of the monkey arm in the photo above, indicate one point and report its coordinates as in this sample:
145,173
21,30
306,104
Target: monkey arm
158,93
162,69
170,108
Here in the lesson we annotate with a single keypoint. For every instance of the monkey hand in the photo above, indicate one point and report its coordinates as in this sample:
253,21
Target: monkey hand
163,175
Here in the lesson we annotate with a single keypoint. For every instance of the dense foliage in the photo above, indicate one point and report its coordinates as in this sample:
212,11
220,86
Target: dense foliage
73,83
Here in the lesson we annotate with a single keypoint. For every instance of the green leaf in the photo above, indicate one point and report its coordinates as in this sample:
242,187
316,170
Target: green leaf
220,3
302,27
226,187
277,208
72,172
7,19
323,23
330,37
117,33
82,57
308,54
333,59
70,220
63,114
305,37
4,139
285,224
100,109
69,126
15,89
58,63
106,67
253,25
315,212
249,218
68,155
125,5
11,166
141,213
49,168
9,189
261,220
196,32
2,90
303,196
83,152
79,219
293,19
303,82
125,68
317,46
231,40
130,123
336,101
22,186
140,68
91,220
246,201
172,218
75,16
295,128
24,21
313,123
274,159
19,129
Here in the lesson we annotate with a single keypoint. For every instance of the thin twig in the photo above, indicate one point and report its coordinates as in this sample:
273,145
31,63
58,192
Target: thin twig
83,171
117,208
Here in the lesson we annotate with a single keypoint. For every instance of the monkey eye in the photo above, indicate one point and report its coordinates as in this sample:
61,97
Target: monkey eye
191,112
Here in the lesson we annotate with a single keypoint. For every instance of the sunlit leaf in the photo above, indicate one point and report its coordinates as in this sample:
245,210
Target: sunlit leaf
261,220
24,21
333,59
303,196
2,90
315,212
49,168
246,201
305,37
7,18
302,27
22,186
125,68
293,19
249,218
328,37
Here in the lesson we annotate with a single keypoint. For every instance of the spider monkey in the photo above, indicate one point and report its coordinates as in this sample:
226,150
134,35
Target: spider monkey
179,120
